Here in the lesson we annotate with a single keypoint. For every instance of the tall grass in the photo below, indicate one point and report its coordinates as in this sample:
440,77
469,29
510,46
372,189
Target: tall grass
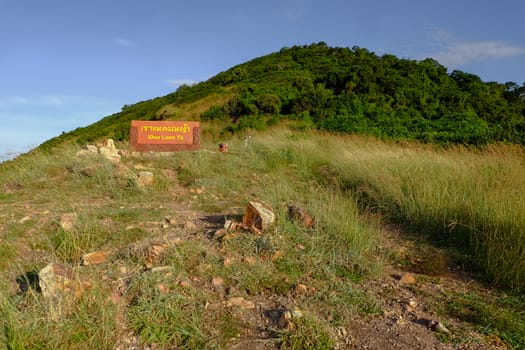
469,199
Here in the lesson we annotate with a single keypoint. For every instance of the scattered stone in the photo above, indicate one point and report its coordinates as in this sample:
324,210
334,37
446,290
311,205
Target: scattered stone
434,325
223,147
217,281
440,328
258,215
277,255
184,284
25,219
342,332
407,279
96,258
68,221
300,216
229,225
240,302
109,151
300,247
149,253
163,288
56,279
301,289
227,262
286,317
145,178
169,220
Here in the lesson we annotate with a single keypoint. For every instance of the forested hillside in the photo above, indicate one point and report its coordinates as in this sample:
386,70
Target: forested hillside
340,90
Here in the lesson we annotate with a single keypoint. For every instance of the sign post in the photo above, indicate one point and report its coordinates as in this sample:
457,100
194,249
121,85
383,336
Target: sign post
165,136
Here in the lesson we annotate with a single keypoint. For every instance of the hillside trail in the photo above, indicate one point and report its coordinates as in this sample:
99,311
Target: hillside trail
407,319
404,289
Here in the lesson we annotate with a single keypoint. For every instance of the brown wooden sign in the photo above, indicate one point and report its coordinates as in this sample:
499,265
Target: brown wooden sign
164,136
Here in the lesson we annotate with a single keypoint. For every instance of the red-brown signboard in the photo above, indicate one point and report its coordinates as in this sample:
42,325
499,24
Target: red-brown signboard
164,136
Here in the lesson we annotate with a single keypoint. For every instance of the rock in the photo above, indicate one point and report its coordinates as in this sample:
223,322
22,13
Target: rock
217,281
170,220
240,302
286,317
145,178
109,151
258,215
229,225
163,288
300,216
218,286
440,328
277,255
184,284
434,325
56,279
25,219
68,221
227,262
96,258
301,289
92,148
109,144
223,147
149,253
407,279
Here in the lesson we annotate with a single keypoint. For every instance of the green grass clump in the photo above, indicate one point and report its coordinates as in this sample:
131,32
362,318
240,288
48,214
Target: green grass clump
503,316
166,319
307,334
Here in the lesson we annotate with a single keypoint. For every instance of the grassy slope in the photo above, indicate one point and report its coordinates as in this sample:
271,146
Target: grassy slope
343,181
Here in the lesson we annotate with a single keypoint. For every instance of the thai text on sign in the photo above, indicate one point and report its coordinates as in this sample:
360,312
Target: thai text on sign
159,132
164,135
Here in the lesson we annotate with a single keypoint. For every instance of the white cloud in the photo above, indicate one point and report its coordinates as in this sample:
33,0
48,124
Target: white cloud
179,82
124,42
465,52
452,52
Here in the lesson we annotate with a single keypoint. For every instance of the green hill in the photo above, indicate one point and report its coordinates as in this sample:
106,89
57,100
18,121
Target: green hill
339,90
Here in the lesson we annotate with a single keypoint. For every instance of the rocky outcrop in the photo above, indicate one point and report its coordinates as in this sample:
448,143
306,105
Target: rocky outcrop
58,279
258,216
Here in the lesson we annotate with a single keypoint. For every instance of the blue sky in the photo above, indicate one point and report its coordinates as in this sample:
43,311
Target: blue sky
67,63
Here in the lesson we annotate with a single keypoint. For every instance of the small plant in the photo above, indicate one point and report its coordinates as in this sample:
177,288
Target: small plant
306,334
